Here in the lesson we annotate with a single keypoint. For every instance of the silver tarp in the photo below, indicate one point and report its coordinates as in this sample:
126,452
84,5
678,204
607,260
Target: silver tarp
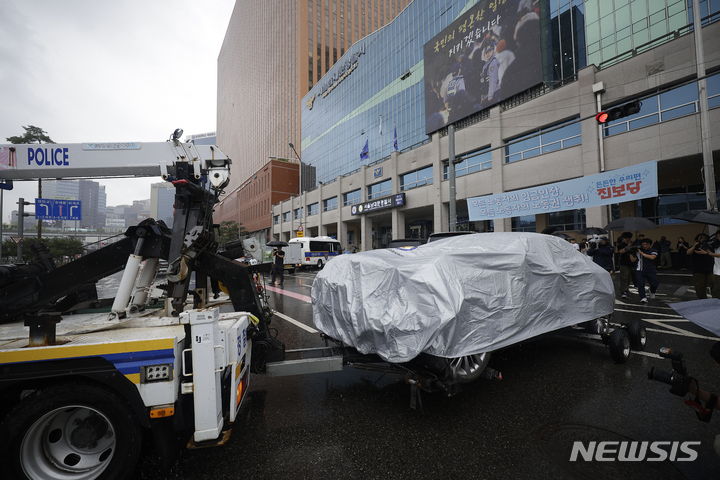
458,296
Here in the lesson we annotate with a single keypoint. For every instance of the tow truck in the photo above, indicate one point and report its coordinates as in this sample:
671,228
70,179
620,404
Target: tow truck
80,393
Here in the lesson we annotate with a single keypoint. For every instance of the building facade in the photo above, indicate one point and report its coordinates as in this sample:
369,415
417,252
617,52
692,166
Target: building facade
273,52
162,199
91,195
543,135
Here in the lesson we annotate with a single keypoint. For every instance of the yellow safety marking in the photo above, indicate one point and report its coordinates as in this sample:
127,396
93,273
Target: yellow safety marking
133,377
71,351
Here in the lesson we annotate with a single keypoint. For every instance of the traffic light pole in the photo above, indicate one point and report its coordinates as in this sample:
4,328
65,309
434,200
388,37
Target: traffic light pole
708,166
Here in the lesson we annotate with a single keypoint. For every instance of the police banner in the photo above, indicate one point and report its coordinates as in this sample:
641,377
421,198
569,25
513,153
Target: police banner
621,185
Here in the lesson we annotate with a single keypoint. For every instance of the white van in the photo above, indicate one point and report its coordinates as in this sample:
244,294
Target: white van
317,251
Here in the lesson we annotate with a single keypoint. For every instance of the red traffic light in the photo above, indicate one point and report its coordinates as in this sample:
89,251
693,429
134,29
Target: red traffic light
624,110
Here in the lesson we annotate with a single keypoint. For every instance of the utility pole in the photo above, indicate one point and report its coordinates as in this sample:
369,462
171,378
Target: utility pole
708,167
452,193
21,226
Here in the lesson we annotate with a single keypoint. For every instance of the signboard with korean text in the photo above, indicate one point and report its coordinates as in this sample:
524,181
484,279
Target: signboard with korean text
391,201
615,186
53,209
490,53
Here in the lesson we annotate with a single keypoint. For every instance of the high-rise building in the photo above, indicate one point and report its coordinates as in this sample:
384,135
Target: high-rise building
521,81
274,51
162,198
91,195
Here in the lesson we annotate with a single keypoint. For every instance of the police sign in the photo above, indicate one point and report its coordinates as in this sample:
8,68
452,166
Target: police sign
392,201
52,209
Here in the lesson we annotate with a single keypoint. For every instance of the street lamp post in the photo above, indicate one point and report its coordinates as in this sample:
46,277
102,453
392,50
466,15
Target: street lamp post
300,177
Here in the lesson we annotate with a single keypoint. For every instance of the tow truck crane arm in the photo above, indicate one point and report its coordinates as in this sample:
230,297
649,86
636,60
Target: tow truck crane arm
39,293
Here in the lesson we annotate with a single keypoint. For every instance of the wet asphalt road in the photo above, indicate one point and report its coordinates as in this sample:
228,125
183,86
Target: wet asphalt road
358,425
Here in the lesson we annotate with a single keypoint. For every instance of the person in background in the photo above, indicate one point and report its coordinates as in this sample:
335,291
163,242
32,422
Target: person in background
602,253
701,265
715,289
574,243
682,248
625,263
278,266
646,271
663,247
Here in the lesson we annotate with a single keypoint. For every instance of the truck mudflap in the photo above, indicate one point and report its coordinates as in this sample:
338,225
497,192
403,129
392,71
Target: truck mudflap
220,362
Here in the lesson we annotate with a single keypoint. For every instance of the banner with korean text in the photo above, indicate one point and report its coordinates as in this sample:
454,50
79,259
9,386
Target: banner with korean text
615,186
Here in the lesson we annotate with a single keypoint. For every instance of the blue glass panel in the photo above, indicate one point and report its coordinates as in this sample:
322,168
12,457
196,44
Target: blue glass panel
644,121
678,112
679,96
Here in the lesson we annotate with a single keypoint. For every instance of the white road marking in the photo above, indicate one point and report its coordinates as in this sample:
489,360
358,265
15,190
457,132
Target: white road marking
688,334
664,320
646,354
296,323
649,313
620,302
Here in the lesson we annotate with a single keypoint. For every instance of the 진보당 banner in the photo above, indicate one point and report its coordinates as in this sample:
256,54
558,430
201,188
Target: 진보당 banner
615,186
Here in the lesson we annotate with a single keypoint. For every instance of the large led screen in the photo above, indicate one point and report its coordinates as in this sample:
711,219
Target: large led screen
490,53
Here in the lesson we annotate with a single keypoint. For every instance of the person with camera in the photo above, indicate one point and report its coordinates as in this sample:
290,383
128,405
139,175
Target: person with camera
624,247
682,248
646,271
602,252
715,253
701,265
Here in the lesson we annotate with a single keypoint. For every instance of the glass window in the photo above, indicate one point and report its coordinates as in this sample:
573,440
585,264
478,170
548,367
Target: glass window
298,213
471,162
675,103
313,209
330,204
415,179
713,88
546,140
525,223
567,220
351,198
379,189
276,219
286,216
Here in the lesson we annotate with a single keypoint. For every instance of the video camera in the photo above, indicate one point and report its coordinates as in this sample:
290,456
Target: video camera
677,378
680,381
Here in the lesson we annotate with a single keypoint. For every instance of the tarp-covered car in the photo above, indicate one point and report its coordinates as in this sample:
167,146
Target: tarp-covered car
460,296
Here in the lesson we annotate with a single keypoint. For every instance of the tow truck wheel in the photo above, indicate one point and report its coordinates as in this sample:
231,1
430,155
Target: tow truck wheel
619,344
638,335
73,432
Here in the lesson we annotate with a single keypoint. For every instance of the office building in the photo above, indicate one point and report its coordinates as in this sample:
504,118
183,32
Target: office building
273,52
91,195
381,133
162,199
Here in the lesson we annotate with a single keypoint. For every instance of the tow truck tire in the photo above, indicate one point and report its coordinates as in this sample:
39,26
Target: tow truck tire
619,345
73,431
638,335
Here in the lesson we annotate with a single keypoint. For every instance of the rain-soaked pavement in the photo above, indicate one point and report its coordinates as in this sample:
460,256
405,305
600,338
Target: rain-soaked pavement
556,390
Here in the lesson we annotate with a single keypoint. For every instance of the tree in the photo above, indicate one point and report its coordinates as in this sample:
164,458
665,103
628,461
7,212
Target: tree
230,230
32,134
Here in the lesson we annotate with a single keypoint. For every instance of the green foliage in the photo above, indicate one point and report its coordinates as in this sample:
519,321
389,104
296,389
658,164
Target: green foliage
32,134
59,247
230,230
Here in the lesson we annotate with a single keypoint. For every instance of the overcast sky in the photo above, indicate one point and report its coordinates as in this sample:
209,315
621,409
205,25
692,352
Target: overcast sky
109,71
